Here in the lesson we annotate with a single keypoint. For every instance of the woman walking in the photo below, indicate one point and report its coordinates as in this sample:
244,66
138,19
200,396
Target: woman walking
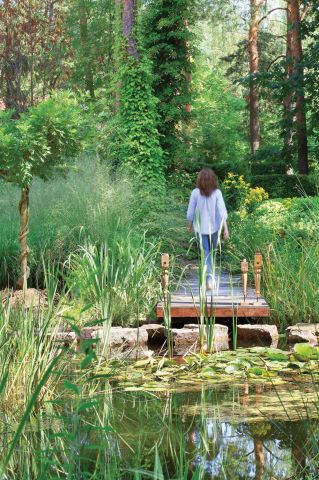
207,216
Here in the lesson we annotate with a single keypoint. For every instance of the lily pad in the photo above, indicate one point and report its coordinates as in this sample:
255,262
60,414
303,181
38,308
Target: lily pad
306,352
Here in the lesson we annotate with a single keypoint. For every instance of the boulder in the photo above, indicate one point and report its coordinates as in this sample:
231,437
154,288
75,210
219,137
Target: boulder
255,335
29,298
186,340
63,338
155,331
124,342
89,332
304,332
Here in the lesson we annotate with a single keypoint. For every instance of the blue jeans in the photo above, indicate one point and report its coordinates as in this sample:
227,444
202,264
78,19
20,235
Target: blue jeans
209,244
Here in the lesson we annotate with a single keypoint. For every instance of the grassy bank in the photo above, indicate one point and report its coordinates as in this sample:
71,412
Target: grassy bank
286,232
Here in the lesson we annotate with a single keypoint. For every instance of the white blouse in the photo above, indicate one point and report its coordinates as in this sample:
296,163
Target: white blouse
206,213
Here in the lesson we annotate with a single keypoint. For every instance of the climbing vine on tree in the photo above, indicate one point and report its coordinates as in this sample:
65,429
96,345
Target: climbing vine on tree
136,143
168,38
140,149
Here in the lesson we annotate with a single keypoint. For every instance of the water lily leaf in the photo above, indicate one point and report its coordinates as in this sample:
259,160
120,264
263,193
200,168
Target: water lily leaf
260,350
142,363
305,352
294,365
208,374
233,368
256,371
277,356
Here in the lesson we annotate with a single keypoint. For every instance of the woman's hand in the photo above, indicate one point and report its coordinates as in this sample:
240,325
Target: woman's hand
190,228
226,232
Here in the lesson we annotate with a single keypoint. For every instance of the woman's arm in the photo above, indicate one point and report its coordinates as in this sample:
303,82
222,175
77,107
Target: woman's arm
191,210
226,231
223,213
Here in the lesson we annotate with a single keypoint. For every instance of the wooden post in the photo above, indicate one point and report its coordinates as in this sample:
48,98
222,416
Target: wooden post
244,271
258,263
165,267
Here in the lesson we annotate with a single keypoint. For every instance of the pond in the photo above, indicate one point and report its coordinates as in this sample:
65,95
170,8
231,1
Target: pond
239,431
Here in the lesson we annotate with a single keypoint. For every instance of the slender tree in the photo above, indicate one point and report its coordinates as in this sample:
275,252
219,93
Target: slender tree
128,21
37,144
253,71
293,7
85,48
288,96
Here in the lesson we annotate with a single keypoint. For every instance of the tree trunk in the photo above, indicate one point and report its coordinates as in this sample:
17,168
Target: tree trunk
118,14
259,458
188,75
298,73
128,23
253,70
24,230
84,36
288,102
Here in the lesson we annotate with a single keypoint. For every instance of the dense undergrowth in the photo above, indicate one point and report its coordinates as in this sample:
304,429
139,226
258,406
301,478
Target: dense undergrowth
94,225
286,232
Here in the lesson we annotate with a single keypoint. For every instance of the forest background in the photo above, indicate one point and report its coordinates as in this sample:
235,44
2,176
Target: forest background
111,107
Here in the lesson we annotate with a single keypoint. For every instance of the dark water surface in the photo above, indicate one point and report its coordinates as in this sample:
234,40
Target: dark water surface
259,432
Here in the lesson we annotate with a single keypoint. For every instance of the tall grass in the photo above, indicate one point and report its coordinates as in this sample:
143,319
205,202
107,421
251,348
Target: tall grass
286,232
121,281
28,346
89,205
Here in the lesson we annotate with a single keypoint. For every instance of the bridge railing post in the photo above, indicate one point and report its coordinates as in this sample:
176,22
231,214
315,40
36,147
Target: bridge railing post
244,274
258,263
165,275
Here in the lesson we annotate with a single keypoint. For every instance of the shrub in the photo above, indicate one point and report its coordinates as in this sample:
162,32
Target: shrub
240,196
283,185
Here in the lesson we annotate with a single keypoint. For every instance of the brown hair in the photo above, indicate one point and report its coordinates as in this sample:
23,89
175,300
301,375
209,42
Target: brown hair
207,181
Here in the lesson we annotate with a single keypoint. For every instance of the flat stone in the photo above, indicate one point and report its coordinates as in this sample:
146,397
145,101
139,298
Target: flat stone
254,335
89,332
124,342
29,298
304,332
186,340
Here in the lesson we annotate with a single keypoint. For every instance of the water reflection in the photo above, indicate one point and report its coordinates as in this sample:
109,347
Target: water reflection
225,449
235,433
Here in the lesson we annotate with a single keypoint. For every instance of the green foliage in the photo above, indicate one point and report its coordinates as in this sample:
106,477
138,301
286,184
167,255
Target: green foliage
311,59
286,232
283,185
91,206
169,40
90,29
119,281
138,148
241,196
42,139
218,137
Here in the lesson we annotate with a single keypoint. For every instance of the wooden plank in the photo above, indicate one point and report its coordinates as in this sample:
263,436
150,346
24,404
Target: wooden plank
225,300
218,311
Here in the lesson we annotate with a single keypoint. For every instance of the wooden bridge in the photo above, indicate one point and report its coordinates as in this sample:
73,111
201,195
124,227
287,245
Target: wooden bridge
230,297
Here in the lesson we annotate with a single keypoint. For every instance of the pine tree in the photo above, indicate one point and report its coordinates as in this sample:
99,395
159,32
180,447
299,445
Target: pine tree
253,71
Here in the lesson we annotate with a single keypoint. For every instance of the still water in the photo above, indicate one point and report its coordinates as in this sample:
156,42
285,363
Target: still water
239,432
259,432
